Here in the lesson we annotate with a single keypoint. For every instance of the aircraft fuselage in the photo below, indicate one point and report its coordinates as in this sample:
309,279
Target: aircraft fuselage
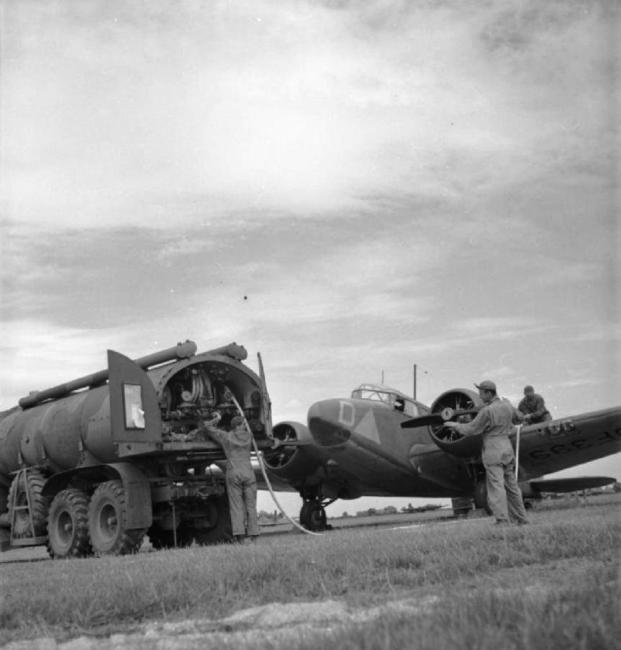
365,439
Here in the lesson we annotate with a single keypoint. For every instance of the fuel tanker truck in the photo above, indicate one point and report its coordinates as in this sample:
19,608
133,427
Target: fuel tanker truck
93,465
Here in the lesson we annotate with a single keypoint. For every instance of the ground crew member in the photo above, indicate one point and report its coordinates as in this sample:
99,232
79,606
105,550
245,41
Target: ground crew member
241,483
495,422
533,407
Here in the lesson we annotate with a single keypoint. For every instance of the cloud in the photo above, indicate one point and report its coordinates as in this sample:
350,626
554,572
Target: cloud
177,116
497,327
37,354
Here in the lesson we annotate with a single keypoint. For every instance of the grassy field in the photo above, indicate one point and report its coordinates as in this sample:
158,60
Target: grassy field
440,584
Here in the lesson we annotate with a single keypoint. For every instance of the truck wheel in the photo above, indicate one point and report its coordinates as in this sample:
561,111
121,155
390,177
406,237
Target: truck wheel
106,522
220,530
28,484
67,527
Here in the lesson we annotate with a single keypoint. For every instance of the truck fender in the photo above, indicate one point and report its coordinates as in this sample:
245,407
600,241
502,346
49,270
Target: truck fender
135,484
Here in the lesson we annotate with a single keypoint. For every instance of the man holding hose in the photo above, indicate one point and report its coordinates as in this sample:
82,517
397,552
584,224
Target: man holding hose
241,483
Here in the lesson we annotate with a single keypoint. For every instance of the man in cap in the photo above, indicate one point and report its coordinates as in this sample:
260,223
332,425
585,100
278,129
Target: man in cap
533,407
495,422
241,483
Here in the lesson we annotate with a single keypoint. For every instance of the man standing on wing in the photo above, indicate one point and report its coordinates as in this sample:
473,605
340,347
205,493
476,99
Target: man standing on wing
495,422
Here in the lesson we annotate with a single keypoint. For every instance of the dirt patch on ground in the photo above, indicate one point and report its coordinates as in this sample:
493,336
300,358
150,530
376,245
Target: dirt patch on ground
279,623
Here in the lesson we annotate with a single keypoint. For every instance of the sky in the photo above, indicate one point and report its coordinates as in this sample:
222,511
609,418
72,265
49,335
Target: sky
347,187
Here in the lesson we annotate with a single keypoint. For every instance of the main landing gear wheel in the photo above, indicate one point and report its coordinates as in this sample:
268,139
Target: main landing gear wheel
107,514
313,515
67,526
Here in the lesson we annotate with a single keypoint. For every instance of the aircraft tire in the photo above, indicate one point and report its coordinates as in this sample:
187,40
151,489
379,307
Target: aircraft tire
313,516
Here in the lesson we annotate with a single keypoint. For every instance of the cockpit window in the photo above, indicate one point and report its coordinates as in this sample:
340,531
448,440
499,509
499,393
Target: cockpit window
392,398
372,394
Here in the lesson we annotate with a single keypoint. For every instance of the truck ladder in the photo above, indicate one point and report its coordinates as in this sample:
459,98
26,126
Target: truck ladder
32,540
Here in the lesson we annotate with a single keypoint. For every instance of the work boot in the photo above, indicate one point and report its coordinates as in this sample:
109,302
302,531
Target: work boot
238,539
254,538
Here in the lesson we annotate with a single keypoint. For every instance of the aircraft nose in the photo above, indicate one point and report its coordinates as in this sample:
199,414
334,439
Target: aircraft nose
324,425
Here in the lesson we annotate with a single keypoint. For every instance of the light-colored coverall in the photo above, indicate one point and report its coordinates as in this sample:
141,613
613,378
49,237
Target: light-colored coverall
241,483
495,422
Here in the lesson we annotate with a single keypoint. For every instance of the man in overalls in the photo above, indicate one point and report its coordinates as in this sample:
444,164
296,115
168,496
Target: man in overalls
241,483
495,422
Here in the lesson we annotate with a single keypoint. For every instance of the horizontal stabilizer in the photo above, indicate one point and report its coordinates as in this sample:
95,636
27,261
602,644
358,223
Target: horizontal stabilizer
571,484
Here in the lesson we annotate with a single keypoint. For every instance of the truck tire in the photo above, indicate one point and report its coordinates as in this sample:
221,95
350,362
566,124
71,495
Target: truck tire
220,531
67,527
28,484
107,514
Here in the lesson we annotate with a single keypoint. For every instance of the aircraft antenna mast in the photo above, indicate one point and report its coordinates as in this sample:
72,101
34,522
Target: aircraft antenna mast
414,382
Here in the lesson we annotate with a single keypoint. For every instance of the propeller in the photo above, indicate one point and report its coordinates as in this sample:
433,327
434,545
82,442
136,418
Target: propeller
446,414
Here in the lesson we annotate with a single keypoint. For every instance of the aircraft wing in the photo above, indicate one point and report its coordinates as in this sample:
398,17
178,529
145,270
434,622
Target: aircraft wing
551,446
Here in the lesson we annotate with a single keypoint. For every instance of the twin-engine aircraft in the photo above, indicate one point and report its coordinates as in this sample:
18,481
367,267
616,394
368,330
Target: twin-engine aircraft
381,442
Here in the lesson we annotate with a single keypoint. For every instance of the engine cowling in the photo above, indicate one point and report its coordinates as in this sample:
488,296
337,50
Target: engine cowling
296,457
460,405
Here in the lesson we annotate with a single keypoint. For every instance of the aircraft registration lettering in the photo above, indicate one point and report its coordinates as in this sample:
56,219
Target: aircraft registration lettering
559,428
346,413
576,445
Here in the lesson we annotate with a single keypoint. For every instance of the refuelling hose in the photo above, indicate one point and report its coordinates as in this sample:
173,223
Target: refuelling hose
264,472
518,428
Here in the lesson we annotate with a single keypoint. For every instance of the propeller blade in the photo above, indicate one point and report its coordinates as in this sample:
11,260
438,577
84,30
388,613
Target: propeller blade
443,416
423,421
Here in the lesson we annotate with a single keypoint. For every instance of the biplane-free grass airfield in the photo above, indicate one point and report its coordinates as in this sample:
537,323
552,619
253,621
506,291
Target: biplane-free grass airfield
417,582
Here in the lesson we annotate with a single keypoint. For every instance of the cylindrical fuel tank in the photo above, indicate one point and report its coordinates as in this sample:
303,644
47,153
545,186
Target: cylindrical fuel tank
52,434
